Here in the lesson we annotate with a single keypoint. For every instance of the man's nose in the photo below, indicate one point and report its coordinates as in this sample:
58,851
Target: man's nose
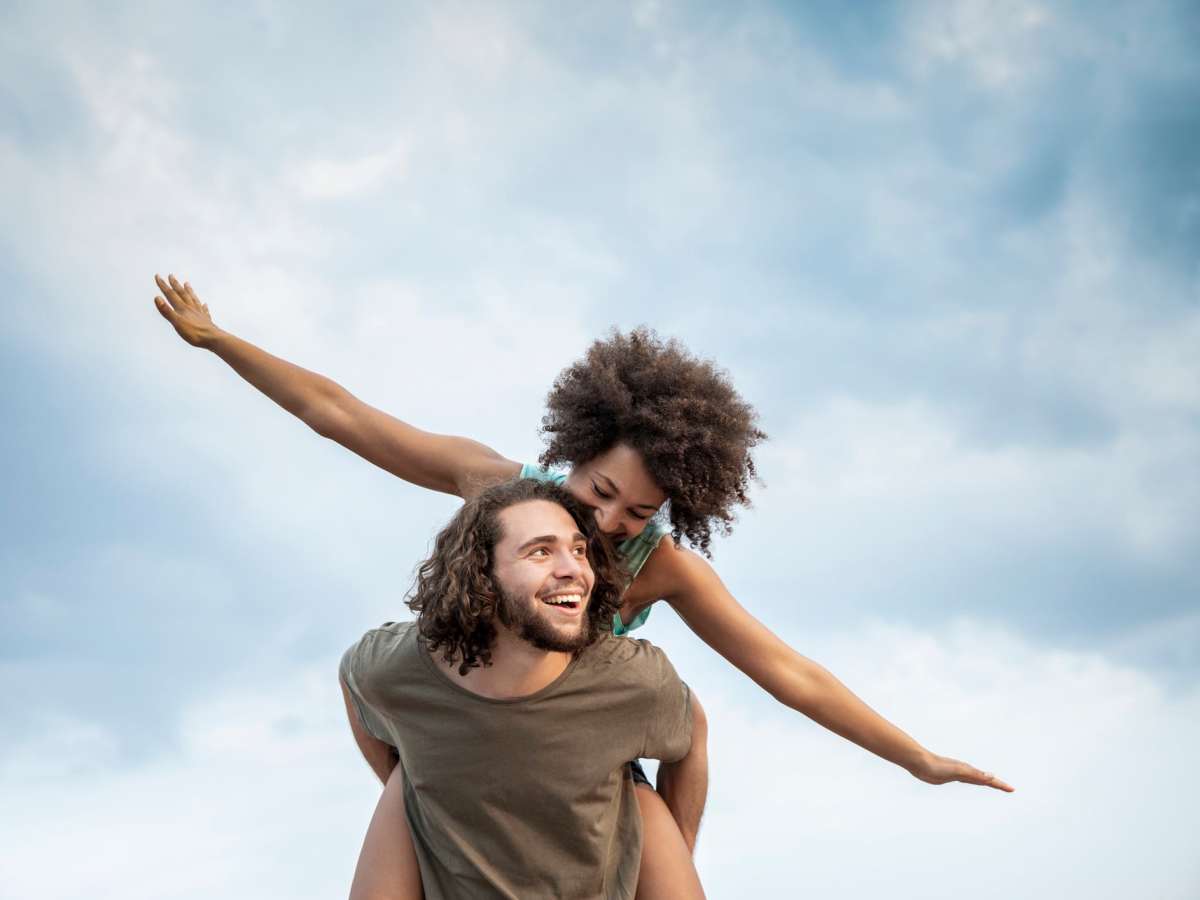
569,566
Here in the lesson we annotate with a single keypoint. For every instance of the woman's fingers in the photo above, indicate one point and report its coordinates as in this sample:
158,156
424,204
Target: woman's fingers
999,785
180,306
169,292
987,779
203,307
945,770
179,295
179,291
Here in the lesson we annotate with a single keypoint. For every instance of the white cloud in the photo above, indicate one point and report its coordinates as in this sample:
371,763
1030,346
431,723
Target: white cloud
996,42
905,483
264,799
646,13
325,179
1136,363
480,42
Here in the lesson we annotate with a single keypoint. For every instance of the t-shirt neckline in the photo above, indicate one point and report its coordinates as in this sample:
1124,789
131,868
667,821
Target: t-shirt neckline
444,676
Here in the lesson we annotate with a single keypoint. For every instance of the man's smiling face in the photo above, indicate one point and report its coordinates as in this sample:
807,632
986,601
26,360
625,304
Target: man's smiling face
541,568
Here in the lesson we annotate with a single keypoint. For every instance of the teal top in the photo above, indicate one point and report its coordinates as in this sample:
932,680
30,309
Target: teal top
633,552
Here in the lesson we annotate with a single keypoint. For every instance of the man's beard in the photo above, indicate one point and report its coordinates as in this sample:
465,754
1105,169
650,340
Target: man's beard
534,626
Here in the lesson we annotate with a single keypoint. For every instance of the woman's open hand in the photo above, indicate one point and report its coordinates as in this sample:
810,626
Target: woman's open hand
942,770
183,309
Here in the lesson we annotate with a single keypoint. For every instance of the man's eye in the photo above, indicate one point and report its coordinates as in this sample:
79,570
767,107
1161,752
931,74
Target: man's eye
581,550
540,551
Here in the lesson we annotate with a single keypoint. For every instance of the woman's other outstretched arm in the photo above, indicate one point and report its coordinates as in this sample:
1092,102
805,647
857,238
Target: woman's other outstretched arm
453,465
689,584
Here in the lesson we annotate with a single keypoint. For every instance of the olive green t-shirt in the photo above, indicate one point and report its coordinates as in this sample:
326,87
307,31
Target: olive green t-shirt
530,797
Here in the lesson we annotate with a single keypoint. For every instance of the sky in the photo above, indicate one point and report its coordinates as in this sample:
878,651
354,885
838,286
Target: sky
947,249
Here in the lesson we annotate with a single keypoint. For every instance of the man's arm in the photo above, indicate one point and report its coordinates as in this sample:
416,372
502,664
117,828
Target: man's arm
453,465
380,756
684,784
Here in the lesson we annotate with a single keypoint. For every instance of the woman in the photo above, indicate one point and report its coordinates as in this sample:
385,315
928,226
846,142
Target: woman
641,424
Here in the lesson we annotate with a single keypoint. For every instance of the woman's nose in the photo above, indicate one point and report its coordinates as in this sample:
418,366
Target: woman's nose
606,519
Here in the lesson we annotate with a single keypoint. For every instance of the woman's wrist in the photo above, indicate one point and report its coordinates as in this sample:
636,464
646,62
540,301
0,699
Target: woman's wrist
921,762
213,338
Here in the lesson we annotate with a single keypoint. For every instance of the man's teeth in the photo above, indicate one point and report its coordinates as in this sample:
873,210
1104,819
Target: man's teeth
564,599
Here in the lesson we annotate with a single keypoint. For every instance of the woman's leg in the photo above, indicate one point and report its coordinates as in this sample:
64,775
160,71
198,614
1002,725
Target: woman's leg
667,868
387,865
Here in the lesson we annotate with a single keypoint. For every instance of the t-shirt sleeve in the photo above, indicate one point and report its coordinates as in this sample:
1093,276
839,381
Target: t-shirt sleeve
356,670
669,712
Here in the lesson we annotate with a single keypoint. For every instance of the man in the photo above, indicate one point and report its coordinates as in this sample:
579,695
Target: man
513,710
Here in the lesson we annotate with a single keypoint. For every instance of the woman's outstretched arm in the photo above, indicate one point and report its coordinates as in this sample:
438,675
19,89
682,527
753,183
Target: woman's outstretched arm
693,589
453,465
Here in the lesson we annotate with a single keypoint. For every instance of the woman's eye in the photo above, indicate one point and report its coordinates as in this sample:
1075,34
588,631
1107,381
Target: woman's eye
639,516
600,493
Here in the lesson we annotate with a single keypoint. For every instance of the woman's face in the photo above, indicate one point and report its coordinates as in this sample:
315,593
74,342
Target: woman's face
618,487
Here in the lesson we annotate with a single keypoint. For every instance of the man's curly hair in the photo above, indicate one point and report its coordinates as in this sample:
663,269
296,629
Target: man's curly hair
692,429
455,597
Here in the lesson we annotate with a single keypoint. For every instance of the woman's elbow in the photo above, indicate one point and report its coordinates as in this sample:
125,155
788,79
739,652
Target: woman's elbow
325,418
799,686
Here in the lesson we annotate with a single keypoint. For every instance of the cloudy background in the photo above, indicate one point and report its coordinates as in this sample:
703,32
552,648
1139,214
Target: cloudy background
949,250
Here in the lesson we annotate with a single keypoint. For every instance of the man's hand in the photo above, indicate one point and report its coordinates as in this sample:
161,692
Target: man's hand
183,309
942,770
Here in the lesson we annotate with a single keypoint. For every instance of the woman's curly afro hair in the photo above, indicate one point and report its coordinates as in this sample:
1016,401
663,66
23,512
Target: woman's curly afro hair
692,429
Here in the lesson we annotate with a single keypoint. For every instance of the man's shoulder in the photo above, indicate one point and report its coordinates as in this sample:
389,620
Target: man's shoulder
392,634
379,649
632,659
